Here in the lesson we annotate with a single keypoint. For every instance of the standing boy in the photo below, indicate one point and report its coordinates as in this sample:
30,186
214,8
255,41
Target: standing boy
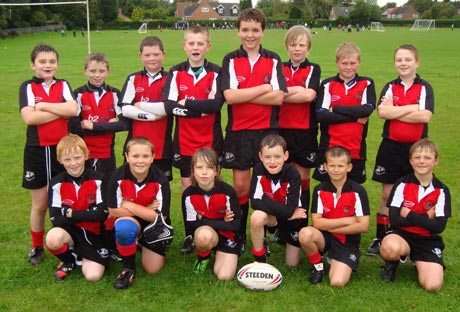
46,103
275,198
420,206
406,104
192,94
297,117
77,212
142,93
344,105
253,84
339,214
97,123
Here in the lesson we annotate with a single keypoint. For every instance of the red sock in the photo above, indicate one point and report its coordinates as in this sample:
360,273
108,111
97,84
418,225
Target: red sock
60,250
315,258
37,238
203,254
259,253
126,251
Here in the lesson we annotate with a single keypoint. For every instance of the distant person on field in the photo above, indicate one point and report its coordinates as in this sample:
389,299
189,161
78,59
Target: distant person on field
343,107
100,117
406,104
212,215
253,85
420,206
339,214
135,191
46,104
275,198
77,212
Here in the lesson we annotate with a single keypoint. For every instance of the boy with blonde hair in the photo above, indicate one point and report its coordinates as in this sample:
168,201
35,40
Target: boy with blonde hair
343,107
420,206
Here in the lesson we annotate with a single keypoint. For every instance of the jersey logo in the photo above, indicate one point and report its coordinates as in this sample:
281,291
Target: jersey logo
67,202
266,78
430,204
229,157
180,111
38,99
311,157
335,98
240,78
142,116
408,204
103,252
230,243
85,107
321,170
139,89
177,157
183,87
359,96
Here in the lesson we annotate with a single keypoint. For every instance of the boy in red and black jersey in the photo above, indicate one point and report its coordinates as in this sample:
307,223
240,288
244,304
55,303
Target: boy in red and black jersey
420,205
253,85
135,192
142,95
275,198
297,116
77,212
100,117
339,214
407,105
344,105
46,104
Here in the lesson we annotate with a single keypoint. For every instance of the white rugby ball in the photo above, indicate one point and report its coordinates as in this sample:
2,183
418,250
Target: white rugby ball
259,276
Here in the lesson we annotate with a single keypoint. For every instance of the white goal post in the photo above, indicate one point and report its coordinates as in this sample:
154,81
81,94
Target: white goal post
423,25
143,29
377,26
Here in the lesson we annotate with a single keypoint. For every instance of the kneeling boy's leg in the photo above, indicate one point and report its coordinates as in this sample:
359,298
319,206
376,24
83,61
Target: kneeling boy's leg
430,275
339,273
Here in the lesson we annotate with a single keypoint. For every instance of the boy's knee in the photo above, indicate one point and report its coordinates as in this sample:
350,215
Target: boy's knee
125,232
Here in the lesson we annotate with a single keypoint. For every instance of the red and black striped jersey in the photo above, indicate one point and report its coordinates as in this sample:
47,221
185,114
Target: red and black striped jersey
409,193
84,195
141,87
124,186
201,125
212,207
35,91
239,73
338,108
99,105
421,93
300,115
277,195
353,201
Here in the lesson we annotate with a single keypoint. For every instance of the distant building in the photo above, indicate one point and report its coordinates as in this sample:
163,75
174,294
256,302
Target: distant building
404,13
207,10
336,12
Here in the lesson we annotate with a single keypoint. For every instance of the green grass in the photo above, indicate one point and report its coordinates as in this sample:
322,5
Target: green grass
175,288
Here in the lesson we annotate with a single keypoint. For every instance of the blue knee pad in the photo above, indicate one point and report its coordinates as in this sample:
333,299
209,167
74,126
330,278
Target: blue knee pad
125,232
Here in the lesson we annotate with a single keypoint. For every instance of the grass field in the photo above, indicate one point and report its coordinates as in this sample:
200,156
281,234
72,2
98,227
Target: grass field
175,288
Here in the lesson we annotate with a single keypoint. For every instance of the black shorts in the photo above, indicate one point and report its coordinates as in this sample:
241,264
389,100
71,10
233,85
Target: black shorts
241,148
88,245
141,240
392,161
183,164
289,230
228,246
302,146
345,253
357,173
104,165
40,166
427,249
165,165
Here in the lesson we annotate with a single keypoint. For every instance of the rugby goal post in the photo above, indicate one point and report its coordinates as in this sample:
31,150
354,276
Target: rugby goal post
423,25
377,26
143,29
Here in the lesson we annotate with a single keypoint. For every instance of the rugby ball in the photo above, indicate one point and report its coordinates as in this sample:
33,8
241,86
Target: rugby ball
259,276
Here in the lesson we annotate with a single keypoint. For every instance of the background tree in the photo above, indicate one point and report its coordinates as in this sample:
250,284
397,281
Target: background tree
245,4
363,13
